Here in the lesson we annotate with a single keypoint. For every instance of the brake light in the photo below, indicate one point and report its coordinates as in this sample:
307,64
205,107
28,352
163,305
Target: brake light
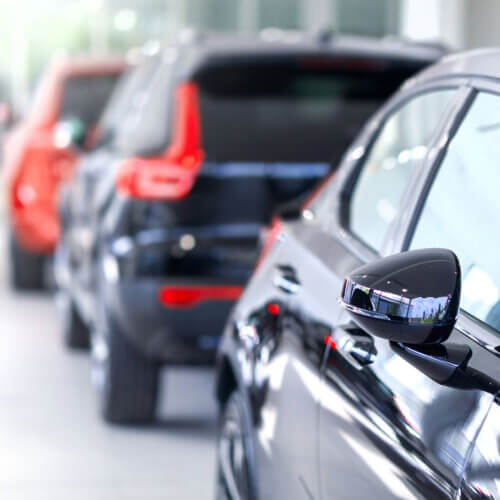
172,175
189,296
154,179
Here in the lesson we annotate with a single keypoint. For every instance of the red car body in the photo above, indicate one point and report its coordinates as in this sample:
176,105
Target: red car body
35,166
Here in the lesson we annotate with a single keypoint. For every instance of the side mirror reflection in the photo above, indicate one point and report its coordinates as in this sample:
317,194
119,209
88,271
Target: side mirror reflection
411,297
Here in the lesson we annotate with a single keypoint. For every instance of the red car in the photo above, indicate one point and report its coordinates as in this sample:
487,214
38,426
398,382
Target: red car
40,153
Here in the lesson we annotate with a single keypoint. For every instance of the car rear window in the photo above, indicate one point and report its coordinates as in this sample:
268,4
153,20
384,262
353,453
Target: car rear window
85,96
305,111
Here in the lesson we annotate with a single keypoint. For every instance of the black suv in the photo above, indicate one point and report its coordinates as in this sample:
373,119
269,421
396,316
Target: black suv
80,204
361,360
230,130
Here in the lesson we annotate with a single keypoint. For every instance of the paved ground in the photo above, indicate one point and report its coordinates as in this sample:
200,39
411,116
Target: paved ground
54,446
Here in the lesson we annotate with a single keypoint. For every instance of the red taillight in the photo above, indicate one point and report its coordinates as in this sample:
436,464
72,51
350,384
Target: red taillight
172,175
185,149
189,296
154,179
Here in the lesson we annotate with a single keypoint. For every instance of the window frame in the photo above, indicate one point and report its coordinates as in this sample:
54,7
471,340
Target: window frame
468,324
375,130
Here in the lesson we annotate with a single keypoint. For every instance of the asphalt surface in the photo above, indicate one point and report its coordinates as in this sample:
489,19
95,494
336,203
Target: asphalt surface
53,444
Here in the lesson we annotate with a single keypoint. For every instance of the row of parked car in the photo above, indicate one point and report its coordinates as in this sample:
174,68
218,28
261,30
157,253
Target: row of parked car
229,193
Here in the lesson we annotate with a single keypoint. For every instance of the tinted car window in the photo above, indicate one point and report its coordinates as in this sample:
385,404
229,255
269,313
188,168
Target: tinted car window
84,97
291,111
462,209
388,166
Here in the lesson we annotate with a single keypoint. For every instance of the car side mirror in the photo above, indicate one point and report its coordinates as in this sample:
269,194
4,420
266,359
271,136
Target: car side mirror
411,297
70,132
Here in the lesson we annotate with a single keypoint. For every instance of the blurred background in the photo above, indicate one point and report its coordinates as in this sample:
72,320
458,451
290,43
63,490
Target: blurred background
33,31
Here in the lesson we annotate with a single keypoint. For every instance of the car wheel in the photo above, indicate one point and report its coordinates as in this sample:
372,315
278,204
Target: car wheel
26,269
76,334
234,474
127,382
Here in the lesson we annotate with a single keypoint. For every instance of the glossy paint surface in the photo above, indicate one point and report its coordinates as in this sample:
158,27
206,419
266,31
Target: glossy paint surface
409,297
357,410
337,411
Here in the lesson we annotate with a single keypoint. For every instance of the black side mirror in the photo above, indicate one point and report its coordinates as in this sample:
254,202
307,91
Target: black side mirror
411,297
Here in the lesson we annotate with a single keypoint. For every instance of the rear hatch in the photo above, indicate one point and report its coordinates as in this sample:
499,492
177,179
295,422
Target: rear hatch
272,128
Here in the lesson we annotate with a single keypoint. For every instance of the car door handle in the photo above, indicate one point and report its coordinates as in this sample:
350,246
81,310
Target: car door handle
356,346
285,279
363,352
440,362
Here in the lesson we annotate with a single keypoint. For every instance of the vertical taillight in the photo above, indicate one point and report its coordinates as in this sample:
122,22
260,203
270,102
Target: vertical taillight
172,175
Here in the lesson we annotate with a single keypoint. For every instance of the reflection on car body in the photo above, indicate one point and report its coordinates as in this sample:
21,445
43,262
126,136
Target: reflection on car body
400,397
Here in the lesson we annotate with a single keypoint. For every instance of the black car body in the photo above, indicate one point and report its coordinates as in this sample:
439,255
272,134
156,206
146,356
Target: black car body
80,204
341,381
231,130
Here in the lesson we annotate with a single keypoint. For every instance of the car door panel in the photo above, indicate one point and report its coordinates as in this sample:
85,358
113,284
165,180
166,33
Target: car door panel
482,478
285,375
380,424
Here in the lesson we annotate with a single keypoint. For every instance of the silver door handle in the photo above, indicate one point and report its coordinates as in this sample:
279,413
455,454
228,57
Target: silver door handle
363,352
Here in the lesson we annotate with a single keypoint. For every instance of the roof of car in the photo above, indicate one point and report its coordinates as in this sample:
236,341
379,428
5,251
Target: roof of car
197,50
86,65
483,63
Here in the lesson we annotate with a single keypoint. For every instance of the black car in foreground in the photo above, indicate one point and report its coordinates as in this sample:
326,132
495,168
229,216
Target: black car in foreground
230,130
362,360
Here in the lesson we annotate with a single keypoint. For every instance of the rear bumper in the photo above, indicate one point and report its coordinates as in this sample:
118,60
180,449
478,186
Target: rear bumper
187,335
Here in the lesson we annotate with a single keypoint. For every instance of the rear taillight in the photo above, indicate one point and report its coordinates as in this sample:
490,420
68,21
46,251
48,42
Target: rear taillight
189,296
154,179
172,175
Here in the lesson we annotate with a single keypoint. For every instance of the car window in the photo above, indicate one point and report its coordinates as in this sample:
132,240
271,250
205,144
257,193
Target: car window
387,168
291,112
85,96
462,209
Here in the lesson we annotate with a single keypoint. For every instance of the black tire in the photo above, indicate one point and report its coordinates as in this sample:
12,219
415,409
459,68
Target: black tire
235,452
27,269
129,388
76,334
